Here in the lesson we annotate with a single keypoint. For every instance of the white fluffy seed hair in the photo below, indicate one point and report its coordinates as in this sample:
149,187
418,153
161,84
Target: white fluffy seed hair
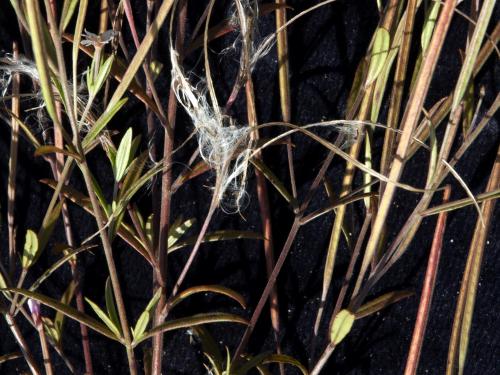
9,66
223,146
26,67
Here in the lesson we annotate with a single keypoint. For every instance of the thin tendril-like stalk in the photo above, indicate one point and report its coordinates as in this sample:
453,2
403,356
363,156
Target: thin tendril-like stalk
427,292
166,196
11,189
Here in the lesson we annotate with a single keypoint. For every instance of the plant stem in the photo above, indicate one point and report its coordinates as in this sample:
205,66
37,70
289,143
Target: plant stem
427,291
45,349
11,188
166,195
22,344
323,359
265,214
108,252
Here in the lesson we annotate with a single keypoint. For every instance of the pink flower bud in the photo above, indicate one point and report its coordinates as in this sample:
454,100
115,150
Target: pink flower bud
34,307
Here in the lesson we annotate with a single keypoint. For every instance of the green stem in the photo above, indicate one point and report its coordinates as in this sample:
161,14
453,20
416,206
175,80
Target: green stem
108,252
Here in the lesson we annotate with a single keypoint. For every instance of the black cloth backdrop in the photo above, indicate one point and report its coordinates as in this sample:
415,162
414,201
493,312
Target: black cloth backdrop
325,47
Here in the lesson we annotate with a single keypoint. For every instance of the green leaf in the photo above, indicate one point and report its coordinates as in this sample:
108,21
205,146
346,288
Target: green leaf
141,325
208,288
47,228
30,249
267,358
135,169
209,347
43,150
381,302
101,122
123,155
430,22
100,196
472,52
251,363
177,230
148,228
103,74
455,205
156,67
40,52
66,310
55,267
110,303
65,300
191,321
3,284
67,13
274,180
51,330
220,235
104,317
143,321
341,326
379,53
124,231
285,359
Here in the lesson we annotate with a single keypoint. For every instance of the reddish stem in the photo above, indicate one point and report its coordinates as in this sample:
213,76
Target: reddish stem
427,291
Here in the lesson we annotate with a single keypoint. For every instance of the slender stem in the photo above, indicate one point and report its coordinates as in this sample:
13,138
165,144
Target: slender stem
11,189
108,252
284,83
265,214
427,291
22,344
323,359
166,194
284,252
269,286
45,349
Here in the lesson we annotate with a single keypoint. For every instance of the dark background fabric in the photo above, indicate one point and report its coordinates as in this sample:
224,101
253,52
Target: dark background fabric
325,48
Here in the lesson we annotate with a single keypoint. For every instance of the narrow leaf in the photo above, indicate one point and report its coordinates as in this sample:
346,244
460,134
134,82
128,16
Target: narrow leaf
221,235
103,74
285,359
110,303
67,13
430,21
379,53
177,230
143,321
105,318
101,123
43,150
194,320
208,288
123,155
381,302
66,310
